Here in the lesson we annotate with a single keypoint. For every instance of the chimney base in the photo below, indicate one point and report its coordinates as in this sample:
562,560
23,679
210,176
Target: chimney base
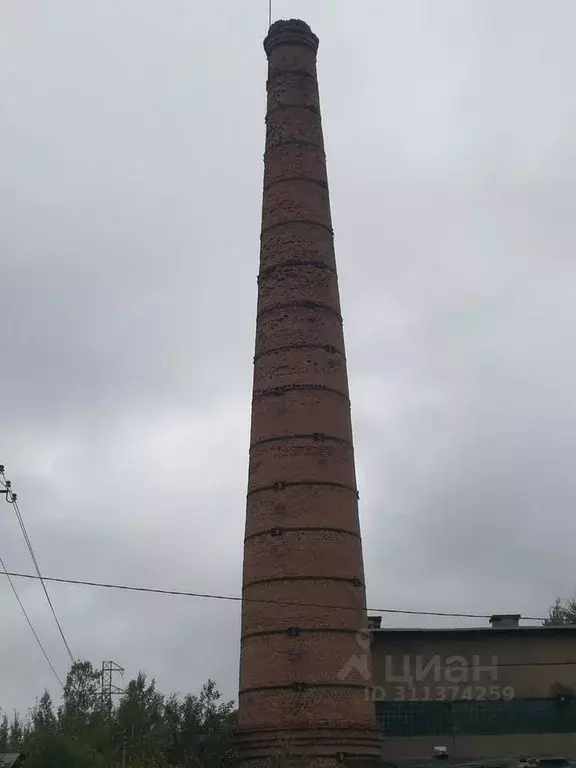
256,747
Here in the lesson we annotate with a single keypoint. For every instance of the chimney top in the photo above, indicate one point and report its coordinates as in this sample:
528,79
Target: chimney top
290,32
505,620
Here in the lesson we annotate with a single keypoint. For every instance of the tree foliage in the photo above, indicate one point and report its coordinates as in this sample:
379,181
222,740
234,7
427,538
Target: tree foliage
562,612
145,728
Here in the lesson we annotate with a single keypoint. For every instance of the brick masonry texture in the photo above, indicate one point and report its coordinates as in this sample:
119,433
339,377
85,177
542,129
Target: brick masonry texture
300,412
299,325
296,125
300,459
297,506
309,658
335,555
293,241
330,707
316,366
291,86
303,578
340,600
315,283
295,161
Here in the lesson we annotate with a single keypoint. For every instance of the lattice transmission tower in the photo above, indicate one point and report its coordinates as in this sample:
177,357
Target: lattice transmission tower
109,688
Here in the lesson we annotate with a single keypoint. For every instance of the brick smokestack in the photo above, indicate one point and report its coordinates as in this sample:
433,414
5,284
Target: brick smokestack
302,545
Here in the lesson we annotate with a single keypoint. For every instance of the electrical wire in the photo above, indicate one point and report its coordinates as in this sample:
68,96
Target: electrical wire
8,575
11,498
234,598
79,582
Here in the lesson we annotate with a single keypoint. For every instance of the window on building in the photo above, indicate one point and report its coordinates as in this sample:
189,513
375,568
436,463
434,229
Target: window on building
412,718
408,718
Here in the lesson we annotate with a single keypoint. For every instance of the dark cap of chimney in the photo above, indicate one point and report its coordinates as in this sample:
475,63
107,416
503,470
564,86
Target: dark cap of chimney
291,32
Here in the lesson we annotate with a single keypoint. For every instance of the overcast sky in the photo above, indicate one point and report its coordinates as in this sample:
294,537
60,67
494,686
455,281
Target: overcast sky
131,135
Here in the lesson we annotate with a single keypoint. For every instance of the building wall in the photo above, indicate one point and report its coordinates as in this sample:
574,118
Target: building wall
478,692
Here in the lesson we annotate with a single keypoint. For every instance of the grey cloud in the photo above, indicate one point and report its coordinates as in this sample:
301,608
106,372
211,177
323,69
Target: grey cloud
130,194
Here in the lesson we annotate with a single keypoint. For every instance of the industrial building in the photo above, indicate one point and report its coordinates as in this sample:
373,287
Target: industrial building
501,689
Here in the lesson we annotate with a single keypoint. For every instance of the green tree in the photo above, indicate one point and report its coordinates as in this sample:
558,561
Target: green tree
43,717
171,730
4,733
140,716
47,746
52,748
161,732
208,725
80,718
16,738
81,697
562,612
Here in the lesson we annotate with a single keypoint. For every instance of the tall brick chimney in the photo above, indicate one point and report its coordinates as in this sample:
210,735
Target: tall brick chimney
305,662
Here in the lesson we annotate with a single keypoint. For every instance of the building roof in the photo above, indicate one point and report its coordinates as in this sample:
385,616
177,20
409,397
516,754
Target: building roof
531,629
504,761
10,759
489,762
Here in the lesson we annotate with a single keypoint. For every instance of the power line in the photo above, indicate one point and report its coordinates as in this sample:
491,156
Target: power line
8,575
234,598
12,498
276,602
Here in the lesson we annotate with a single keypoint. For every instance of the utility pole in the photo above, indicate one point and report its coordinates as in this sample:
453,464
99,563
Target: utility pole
109,689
